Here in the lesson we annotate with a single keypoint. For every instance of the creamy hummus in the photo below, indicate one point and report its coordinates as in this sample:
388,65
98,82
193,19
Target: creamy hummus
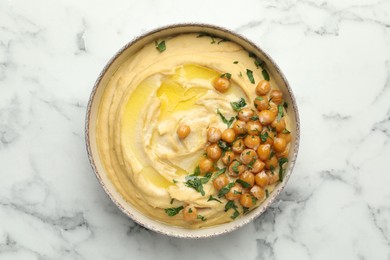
144,103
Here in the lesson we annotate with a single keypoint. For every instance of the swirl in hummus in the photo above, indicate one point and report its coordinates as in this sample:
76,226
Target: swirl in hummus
152,94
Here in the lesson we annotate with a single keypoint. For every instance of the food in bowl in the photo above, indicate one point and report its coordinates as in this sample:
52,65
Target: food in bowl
192,130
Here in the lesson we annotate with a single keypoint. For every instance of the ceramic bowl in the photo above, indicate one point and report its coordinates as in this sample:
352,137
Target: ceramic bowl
93,105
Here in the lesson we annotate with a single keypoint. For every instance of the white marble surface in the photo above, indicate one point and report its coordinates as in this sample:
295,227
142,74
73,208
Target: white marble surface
336,55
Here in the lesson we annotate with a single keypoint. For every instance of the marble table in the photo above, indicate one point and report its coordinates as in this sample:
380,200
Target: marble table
336,55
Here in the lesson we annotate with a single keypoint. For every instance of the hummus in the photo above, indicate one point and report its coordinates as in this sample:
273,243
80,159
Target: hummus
147,99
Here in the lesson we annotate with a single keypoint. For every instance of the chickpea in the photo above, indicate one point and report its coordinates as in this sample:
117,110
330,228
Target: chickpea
261,103
273,161
264,151
236,168
257,192
228,157
228,135
284,153
276,96
221,84
253,127
274,109
205,165
263,87
245,114
262,179
279,144
257,166
238,146
246,200
247,156
252,141
183,131
220,182
273,177
190,213
270,137
279,126
266,117
214,152
239,127
213,134
234,193
248,177
285,136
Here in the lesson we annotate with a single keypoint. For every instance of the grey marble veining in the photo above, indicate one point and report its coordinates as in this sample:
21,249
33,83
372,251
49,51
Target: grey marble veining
336,56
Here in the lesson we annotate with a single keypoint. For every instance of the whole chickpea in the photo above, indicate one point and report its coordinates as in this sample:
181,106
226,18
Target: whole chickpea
248,177
236,168
221,84
247,156
273,177
214,152
279,144
246,200
228,135
257,192
245,114
213,134
253,127
234,193
206,165
252,141
261,103
262,179
239,127
285,136
183,131
220,182
263,87
266,117
272,162
238,146
264,151
257,166
190,213
228,157
279,126
276,96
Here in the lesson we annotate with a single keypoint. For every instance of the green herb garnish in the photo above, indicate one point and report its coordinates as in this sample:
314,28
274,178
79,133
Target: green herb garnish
254,118
223,145
235,167
244,184
196,171
264,136
265,74
272,168
266,193
245,210
230,205
223,118
226,75
285,105
259,98
240,74
201,217
280,113
285,131
254,200
249,73
197,183
160,46
174,181
219,172
235,62
212,198
281,161
238,105
173,211
190,210
225,189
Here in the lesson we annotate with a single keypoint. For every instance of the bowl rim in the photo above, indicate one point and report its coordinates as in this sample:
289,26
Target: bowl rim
239,224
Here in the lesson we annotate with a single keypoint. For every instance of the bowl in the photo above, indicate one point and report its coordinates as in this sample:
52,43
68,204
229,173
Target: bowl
95,99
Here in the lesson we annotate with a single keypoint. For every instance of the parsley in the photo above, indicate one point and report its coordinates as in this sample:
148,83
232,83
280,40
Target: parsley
230,205
235,62
265,74
280,113
172,200
285,131
285,105
174,181
249,73
238,105
240,74
243,183
196,171
281,161
227,122
223,145
212,198
219,172
173,211
264,136
254,118
259,63
272,168
237,192
190,210
259,98
245,210
266,193
235,167
226,75
271,154
201,217
160,46
235,214
254,200
197,183
250,165
225,189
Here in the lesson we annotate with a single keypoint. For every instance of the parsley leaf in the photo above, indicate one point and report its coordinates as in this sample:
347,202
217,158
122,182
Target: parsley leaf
264,136
235,166
265,74
280,113
160,46
173,211
254,118
243,183
225,189
235,62
201,217
238,105
285,131
285,105
226,75
266,193
219,172
223,145
249,73
212,198
197,183
227,122
281,161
